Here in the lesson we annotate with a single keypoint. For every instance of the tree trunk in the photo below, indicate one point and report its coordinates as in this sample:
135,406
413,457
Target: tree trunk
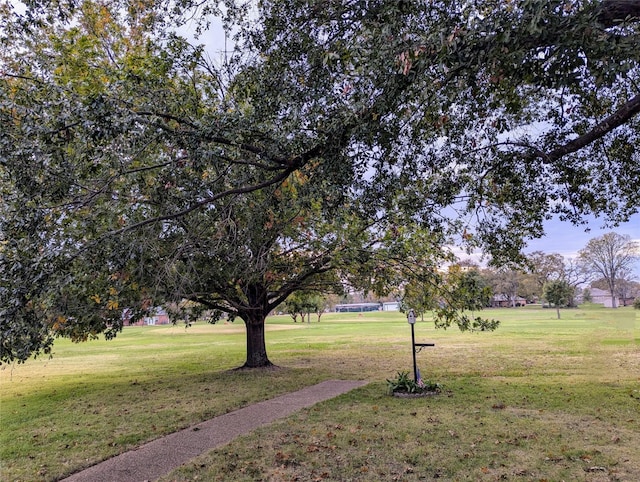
612,289
558,311
256,347
614,303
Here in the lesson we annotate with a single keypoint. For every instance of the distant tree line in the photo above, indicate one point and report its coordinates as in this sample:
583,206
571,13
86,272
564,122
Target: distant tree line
606,263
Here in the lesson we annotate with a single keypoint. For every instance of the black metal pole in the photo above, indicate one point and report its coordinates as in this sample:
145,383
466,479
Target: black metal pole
413,350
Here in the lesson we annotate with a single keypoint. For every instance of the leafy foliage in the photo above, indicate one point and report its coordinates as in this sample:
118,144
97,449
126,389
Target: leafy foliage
404,383
450,298
303,304
558,293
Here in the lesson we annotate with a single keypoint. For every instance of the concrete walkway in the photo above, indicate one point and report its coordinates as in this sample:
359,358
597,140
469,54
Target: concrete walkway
159,457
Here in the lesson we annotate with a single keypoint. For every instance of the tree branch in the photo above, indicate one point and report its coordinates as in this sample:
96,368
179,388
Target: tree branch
621,116
208,200
615,12
258,151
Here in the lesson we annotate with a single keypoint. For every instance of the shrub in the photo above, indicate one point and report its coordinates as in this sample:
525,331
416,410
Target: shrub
406,384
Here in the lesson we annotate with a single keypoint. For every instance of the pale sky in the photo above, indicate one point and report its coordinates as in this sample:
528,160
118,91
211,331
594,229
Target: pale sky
567,239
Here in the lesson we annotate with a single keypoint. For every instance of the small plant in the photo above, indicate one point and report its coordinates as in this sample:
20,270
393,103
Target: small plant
404,383
636,303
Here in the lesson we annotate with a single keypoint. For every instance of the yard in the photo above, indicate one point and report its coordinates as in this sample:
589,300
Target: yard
538,399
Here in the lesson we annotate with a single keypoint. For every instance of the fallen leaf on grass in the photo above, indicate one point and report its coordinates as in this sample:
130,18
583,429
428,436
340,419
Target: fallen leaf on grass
553,459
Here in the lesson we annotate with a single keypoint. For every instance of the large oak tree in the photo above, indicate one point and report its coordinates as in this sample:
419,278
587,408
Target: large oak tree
343,141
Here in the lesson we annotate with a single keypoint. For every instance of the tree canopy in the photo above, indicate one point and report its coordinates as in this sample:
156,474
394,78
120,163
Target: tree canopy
611,257
341,142
558,293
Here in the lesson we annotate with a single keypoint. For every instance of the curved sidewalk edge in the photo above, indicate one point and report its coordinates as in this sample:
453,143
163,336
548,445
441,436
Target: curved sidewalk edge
160,456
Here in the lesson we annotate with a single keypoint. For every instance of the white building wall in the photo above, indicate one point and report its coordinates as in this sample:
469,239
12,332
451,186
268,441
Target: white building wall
391,306
603,297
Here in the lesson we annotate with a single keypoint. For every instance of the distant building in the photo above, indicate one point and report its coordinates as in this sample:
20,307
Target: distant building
391,306
159,317
358,307
503,301
603,297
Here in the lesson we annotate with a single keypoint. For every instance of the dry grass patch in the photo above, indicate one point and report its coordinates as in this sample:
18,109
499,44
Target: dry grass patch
512,402
467,434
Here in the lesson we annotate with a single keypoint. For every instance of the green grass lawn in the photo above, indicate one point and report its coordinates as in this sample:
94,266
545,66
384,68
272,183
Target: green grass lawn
538,399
